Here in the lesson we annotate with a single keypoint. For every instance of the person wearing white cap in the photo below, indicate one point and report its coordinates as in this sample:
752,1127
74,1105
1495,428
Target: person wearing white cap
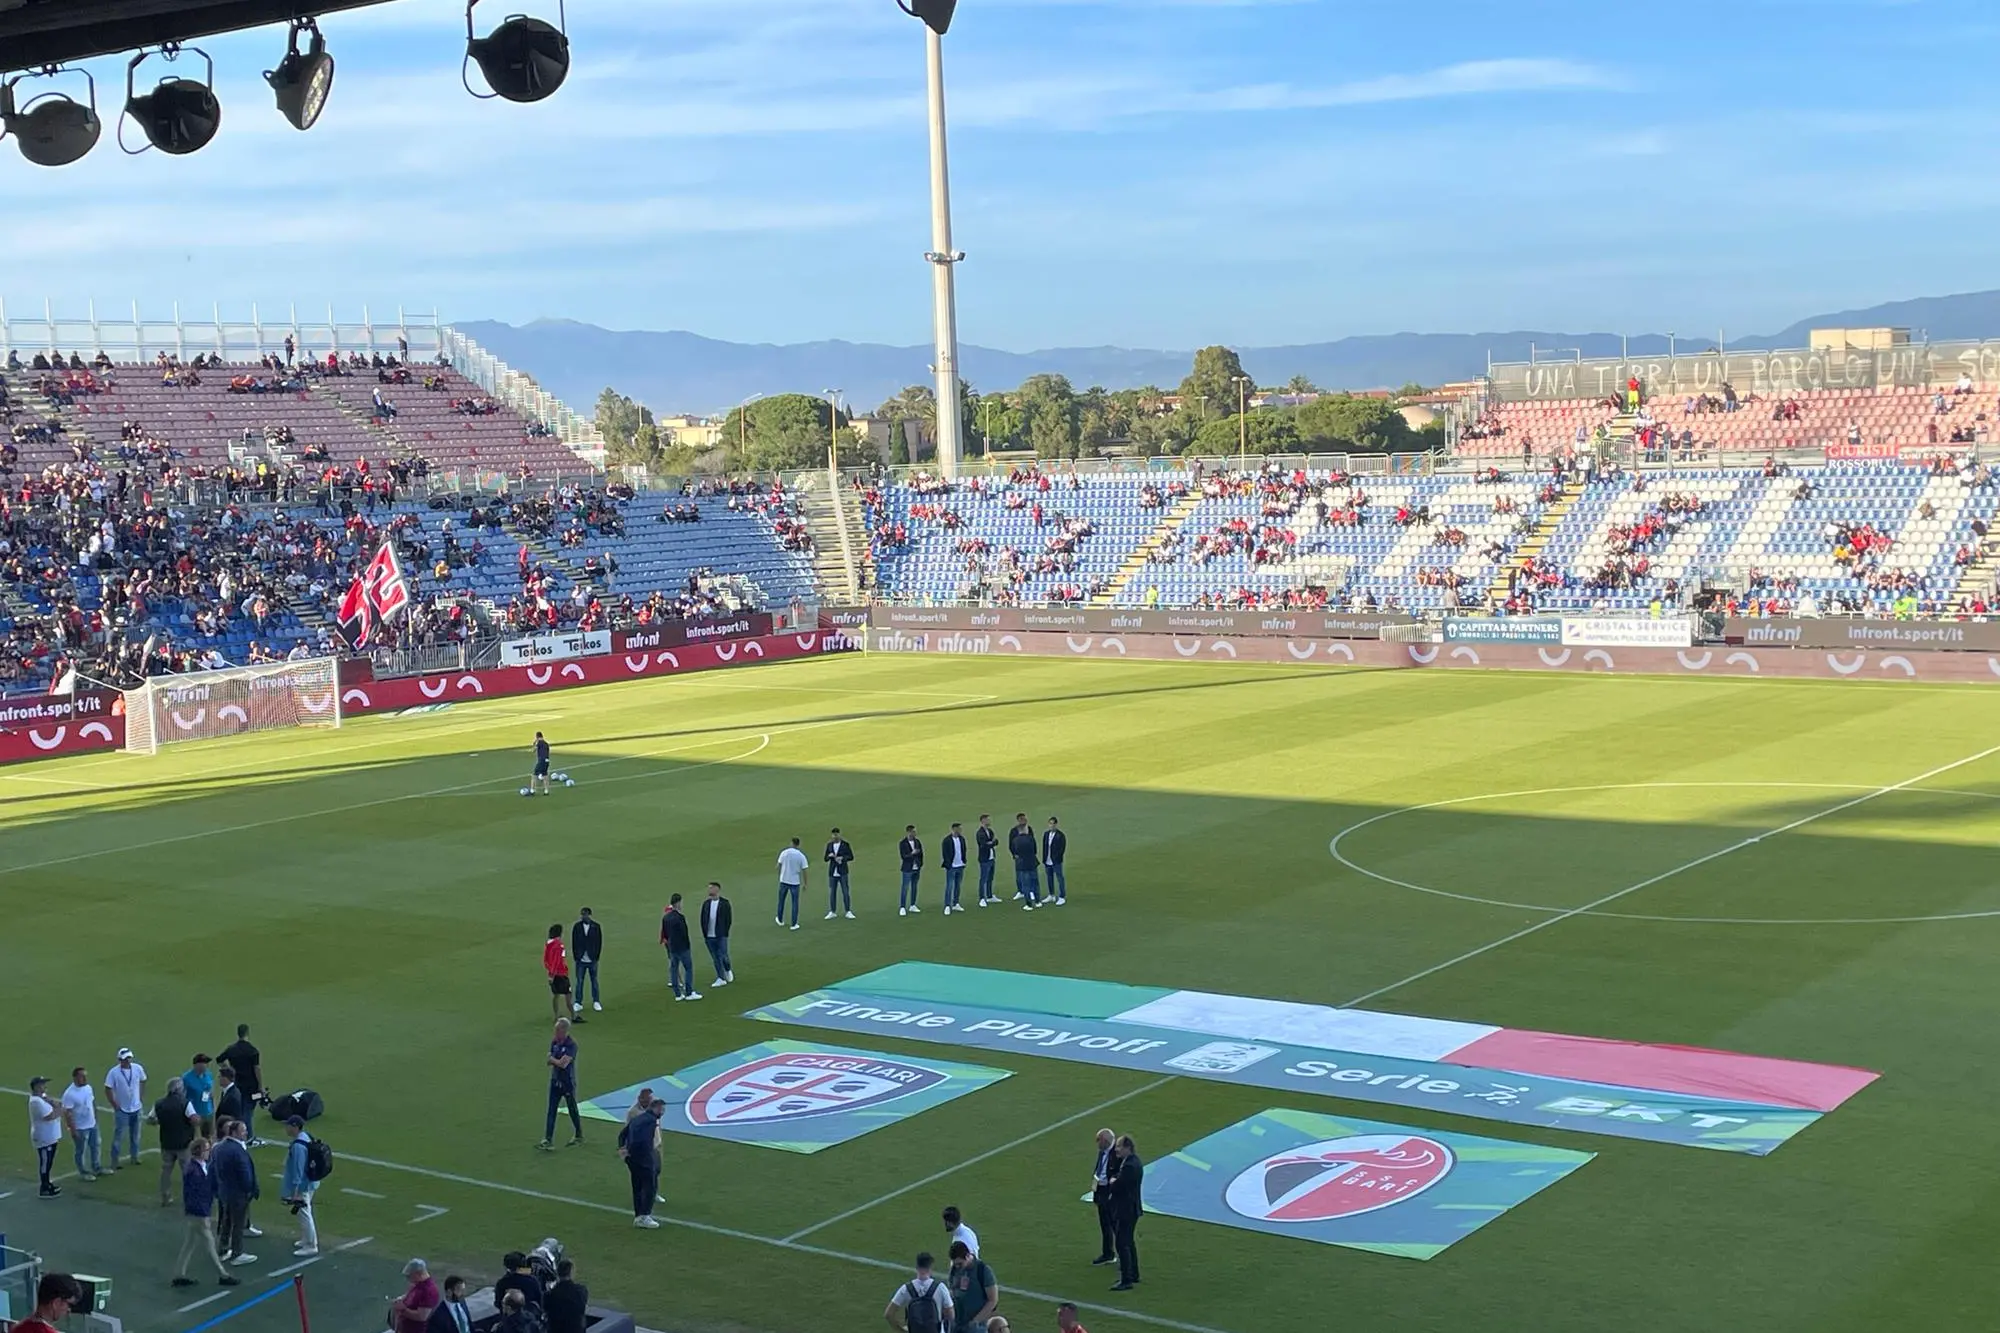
125,1089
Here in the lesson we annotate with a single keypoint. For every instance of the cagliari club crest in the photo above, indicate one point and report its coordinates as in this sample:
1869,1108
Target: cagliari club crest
801,1085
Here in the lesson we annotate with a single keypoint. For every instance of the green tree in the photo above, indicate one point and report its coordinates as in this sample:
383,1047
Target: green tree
1048,404
1299,385
630,433
785,431
1345,423
1411,390
1164,432
1213,382
1270,431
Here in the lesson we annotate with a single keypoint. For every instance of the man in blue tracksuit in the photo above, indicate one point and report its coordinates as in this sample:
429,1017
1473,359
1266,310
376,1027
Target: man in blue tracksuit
988,844
911,850
1055,844
1027,868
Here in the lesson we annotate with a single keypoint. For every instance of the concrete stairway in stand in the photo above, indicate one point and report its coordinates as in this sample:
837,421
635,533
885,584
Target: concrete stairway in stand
1535,542
1135,563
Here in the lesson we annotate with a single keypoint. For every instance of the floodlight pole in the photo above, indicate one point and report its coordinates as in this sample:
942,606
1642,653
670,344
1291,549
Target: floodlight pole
942,259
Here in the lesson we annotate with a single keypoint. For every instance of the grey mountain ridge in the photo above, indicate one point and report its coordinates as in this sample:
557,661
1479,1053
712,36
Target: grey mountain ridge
685,372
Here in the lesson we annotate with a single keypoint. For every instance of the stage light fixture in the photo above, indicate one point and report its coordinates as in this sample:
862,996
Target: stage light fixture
936,13
53,129
180,115
524,59
302,79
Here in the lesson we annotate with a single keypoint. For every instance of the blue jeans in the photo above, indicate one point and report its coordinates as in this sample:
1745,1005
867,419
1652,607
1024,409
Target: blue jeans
1028,884
125,1124
1058,886
953,877
986,880
718,953
907,896
837,897
680,971
786,891
81,1139
586,971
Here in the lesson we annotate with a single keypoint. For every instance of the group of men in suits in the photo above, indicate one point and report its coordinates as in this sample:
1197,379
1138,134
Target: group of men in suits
1116,1180
1033,857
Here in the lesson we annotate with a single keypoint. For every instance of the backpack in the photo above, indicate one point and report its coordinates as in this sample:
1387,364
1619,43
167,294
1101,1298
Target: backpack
319,1160
922,1314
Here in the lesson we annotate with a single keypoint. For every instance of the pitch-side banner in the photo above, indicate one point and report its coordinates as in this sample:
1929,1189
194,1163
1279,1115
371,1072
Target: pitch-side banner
1356,1183
797,1096
1844,633
1627,632
1666,1094
555,647
1084,620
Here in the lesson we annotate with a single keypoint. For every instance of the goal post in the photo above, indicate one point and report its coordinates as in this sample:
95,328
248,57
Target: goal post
206,705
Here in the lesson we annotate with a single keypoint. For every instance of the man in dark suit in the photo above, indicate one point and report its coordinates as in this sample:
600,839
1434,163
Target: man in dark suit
586,947
1021,846
451,1316
911,852
715,922
839,855
566,1301
1127,1180
988,843
1055,845
1100,1194
952,855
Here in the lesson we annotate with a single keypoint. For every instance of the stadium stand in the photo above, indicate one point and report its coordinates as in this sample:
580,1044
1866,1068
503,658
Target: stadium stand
1888,536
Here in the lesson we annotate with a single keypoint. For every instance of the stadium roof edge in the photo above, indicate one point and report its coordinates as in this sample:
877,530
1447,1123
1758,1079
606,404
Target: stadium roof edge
35,33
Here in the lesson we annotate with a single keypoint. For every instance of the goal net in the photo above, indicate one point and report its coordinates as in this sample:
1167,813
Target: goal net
203,705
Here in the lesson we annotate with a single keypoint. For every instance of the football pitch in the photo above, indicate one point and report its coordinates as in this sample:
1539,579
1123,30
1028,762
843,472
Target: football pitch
1792,869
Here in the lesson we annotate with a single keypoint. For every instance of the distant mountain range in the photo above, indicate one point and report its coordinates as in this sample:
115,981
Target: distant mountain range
684,372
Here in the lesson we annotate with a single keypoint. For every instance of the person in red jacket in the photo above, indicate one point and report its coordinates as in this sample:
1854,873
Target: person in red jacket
555,962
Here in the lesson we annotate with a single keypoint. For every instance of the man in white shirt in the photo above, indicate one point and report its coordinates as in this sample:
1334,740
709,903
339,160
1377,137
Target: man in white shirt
932,1297
44,1132
791,881
79,1104
125,1089
955,1229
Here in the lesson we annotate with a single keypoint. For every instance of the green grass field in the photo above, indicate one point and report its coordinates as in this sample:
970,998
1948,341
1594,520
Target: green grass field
373,901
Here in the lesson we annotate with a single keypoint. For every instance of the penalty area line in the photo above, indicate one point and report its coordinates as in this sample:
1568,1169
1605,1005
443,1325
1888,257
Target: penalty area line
751,1237
1664,875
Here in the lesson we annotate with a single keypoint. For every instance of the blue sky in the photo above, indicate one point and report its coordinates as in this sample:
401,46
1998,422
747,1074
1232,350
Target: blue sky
1156,173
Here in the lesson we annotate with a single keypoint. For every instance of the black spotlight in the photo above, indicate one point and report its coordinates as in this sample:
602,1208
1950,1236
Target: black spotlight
179,115
303,78
524,59
936,13
53,129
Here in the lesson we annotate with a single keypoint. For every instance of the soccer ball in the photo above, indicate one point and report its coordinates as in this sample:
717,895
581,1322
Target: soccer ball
527,791
567,780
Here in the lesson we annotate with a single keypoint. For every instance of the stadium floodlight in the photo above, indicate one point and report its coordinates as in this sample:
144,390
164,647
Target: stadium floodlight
180,115
524,59
302,79
936,13
53,129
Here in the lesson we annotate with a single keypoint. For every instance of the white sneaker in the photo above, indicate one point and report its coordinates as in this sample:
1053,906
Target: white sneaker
795,925
597,1006
780,920
915,908
649,1223
252,1231
576,1008
1027,907
243,1259
694,995
829,916
985,902
301,1252
902,911
719,981
730,977
850,916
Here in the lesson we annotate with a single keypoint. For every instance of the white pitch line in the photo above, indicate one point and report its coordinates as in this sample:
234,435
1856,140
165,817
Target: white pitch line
936,1176
731,1233
293,1268
206,1300
1685,866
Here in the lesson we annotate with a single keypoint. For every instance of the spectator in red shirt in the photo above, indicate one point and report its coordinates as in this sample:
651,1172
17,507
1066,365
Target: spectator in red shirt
555,962
55,1294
